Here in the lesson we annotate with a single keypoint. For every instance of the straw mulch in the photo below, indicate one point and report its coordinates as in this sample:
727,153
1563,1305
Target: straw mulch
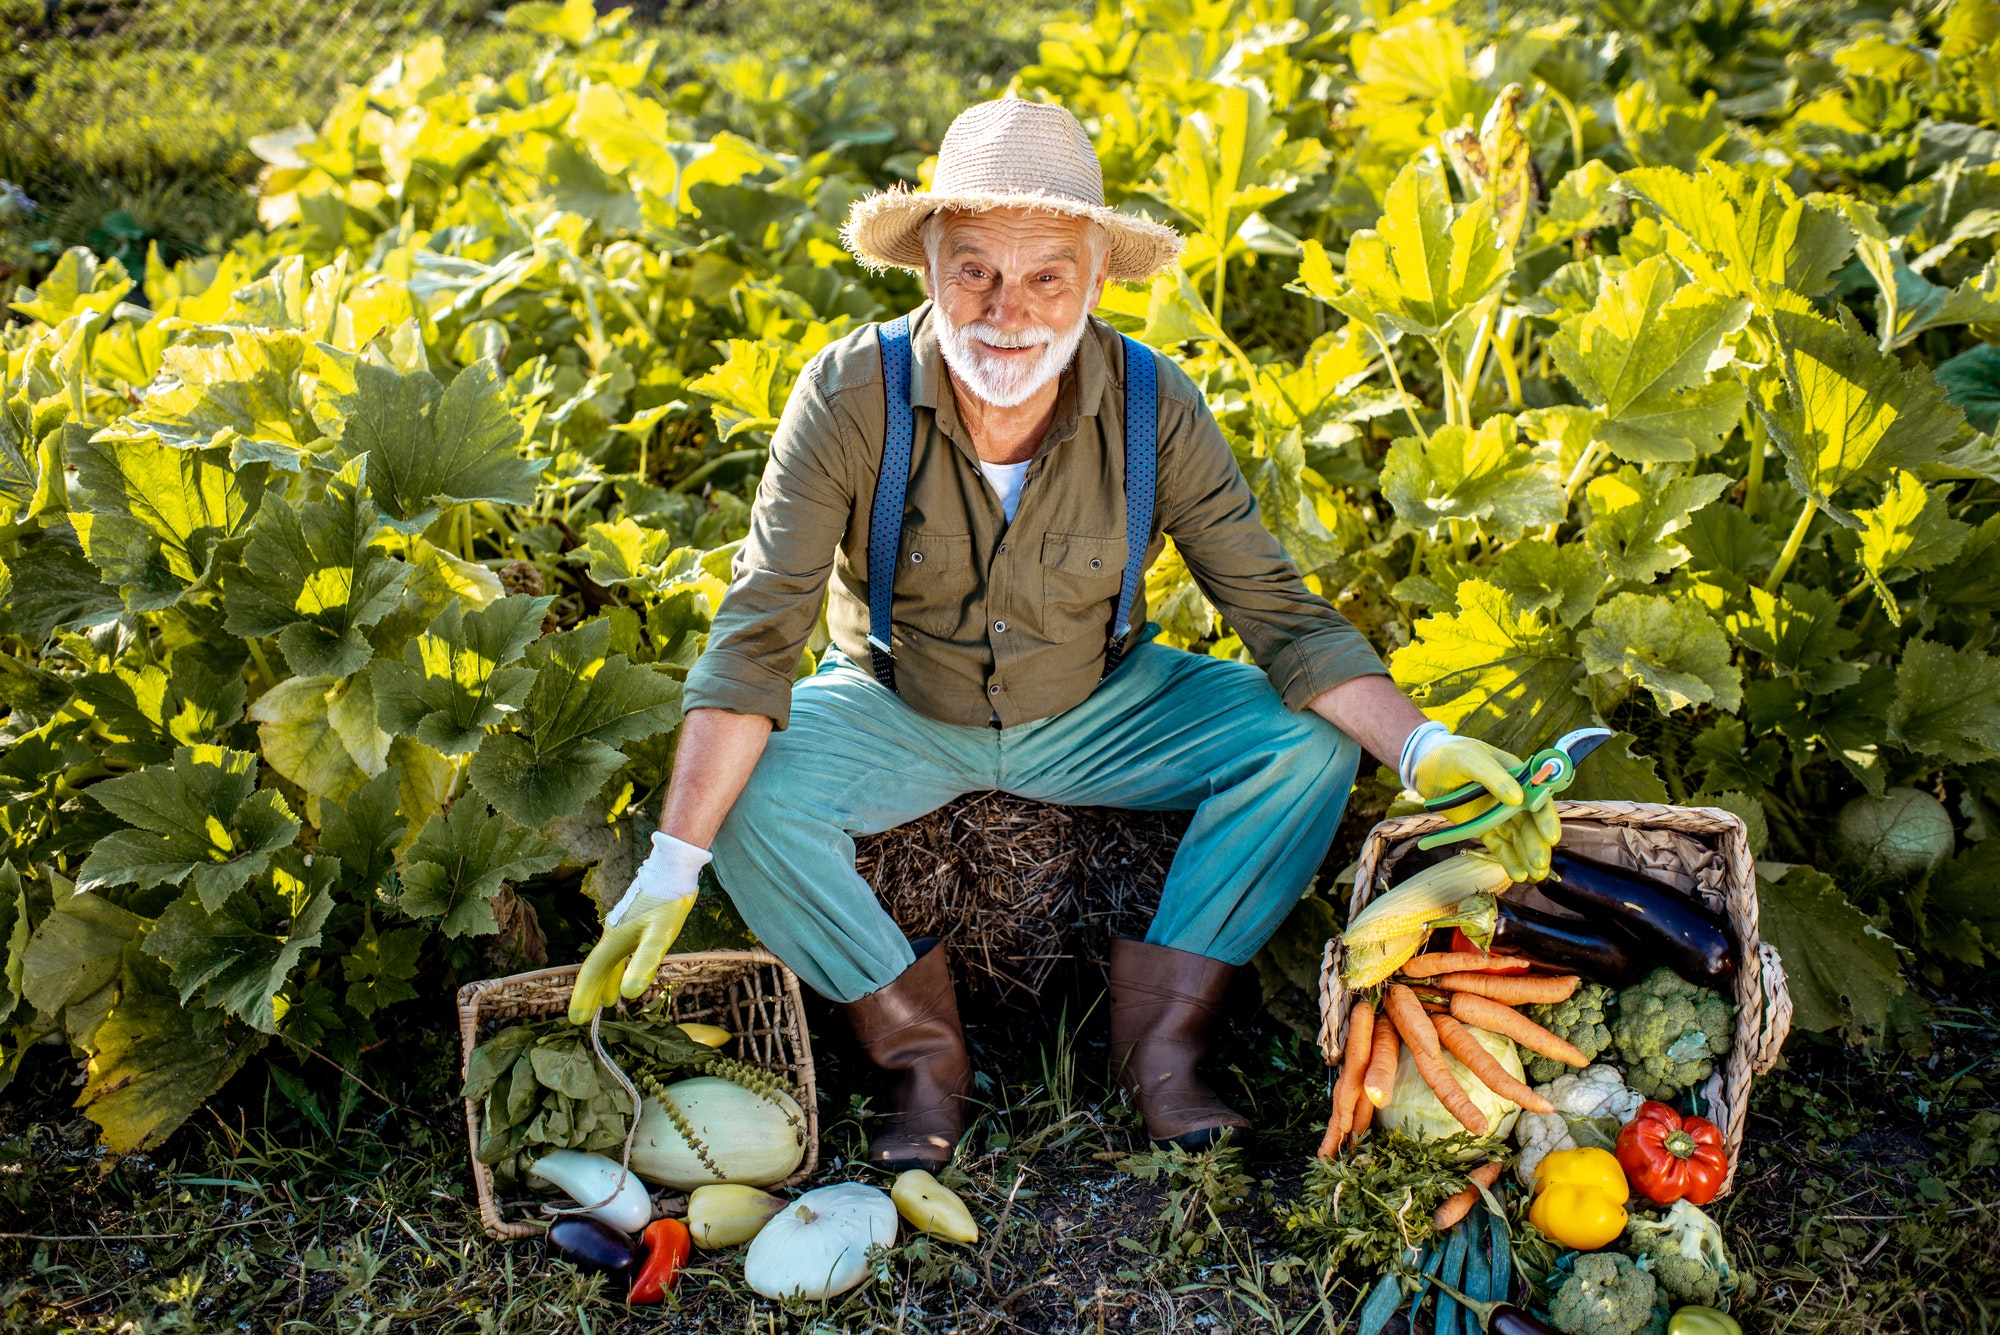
1018,888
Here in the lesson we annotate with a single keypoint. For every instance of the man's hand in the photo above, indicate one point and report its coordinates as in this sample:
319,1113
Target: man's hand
640,928
1436,762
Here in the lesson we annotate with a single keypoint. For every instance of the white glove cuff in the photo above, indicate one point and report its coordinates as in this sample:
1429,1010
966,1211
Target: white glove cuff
671,871
1423,739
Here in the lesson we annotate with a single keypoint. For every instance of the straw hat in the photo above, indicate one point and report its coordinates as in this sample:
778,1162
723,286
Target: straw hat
1008,154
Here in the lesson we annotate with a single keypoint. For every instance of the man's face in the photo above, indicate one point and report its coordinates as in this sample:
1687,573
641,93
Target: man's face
1013,289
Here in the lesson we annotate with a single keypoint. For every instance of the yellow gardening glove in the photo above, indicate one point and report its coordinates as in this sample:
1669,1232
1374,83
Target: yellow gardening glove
640,928
1436,762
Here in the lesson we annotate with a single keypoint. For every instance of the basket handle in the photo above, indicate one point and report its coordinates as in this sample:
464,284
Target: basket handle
1777,1008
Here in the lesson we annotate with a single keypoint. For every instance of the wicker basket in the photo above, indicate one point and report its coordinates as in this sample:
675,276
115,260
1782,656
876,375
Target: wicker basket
747,992
1700,850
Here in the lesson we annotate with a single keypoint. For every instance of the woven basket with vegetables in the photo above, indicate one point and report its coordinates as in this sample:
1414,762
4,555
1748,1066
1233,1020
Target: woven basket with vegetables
1596,1031
717,1048
1573,927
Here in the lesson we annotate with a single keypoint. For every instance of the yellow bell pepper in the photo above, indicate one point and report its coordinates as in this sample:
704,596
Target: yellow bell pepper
1580,1198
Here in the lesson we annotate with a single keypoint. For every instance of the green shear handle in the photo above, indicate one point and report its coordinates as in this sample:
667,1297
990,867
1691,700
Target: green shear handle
1541,777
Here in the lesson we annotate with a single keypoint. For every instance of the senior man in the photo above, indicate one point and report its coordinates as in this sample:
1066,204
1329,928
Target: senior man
983,483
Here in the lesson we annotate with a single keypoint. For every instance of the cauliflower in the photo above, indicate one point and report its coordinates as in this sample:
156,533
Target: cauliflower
1685,1252
1669,1032
1606,1294
1592,1093
1581,1020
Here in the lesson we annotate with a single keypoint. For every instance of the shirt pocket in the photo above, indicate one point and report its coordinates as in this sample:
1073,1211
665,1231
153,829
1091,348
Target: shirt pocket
1080,578
933,581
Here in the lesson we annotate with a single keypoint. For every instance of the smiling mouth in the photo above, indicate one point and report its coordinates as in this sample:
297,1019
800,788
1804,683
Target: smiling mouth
994,350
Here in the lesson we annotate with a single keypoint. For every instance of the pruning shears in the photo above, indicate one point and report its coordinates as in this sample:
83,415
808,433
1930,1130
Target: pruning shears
1541,776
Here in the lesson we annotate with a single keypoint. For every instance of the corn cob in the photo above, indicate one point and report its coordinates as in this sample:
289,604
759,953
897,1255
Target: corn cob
1392,928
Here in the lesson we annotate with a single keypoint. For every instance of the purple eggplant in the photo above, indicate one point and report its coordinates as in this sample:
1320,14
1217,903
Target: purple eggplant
1668,927
1600,952
591,1244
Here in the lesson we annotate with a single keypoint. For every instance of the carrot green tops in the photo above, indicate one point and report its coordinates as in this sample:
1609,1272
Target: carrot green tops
994,619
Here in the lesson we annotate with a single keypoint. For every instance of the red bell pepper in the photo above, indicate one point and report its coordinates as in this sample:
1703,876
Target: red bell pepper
667,1245
1502,966
1667,1157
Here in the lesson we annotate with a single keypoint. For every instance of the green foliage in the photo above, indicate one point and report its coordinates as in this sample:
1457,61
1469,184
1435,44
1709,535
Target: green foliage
353,580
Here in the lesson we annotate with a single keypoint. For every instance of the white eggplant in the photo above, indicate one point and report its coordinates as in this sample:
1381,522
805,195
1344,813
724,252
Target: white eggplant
738,1136
590,1177
817,1247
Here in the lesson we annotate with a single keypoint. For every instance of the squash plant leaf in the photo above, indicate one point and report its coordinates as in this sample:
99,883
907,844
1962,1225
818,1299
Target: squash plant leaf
157,520
320,733
1490,477
1425,264
426,443
455,681
459,863
380,966
1911,530
646,558
156,1061
1494,670
147,711
1971,383
1563,578
1745,236
363,831
1635,516
243,394
1230,160
79,282
238,957
312,576
1842,971
749,388
584,703
197,822
1849,414
1947,702
1798,634
1671,646
55,587
73,957
1641,356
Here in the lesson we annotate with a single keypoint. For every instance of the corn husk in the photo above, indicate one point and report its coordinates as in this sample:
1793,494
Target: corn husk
1453,893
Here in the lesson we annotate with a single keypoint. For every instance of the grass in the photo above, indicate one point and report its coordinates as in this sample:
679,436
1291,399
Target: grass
131,125
299,1200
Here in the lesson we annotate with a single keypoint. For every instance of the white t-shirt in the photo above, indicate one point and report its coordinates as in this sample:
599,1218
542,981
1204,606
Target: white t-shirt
1007,480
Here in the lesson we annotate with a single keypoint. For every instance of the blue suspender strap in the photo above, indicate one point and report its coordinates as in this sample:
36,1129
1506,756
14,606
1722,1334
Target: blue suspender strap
1142,429
892,485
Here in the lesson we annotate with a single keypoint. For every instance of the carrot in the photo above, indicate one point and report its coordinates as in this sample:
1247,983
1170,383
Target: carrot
1463,1044
1418,1031
1484,1013
1412,1025
1360,1029
1457,961
1458,1207
1364,1111
1543,988
1379,1080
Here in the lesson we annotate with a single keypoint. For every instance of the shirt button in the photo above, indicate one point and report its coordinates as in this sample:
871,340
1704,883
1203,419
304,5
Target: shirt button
994,689
1000,626
1003,549
1096,564
916,558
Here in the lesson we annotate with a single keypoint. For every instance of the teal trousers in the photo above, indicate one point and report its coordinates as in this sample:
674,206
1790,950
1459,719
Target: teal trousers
1168,731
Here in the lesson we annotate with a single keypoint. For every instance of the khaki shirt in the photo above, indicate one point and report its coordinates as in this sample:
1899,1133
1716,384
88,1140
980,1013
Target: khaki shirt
992,619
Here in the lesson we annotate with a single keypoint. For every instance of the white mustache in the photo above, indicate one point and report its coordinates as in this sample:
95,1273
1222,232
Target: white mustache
993,336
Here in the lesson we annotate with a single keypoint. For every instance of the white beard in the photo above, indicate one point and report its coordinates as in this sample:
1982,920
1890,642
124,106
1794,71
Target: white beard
1005,384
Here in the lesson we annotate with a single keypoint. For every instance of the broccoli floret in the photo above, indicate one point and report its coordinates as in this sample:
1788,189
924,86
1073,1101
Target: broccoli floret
1685,1251
1606,1294
1581,1020
1668,1032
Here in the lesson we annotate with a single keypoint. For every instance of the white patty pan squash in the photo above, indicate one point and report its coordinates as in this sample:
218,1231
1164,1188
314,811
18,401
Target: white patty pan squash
817,1247
740,1135
1415,1111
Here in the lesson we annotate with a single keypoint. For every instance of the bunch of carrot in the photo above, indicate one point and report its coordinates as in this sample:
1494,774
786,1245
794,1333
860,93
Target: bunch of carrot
1458,989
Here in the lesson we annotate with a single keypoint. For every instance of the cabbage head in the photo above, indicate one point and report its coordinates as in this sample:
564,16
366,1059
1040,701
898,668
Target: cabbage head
1415,1111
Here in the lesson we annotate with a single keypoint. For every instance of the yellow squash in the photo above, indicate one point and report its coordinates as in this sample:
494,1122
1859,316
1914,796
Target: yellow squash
727,1213
932,1207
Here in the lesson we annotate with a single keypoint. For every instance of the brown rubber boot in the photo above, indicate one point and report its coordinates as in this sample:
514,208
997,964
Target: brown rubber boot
912,1026
1163,1010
